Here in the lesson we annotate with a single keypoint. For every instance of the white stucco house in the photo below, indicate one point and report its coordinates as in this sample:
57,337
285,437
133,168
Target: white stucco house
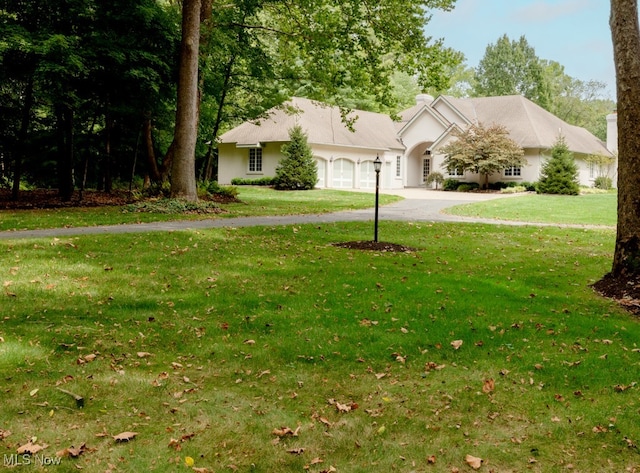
408,147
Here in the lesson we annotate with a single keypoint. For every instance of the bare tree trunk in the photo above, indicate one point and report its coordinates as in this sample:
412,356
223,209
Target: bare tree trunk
626,48
64,117
22,139
152,163
183,175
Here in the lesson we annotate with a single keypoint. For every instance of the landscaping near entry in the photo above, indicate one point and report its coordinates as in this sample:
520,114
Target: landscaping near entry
345,147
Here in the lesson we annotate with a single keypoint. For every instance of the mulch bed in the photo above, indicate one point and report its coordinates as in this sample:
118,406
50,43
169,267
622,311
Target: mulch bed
624,290
375,246
49,199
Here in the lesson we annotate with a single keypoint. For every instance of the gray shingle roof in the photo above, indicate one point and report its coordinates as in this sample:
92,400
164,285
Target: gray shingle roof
323,125
528,124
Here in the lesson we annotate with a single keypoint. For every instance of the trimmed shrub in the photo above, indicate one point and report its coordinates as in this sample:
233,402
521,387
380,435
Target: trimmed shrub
260,181
513,189
450,184
434,177
603,182
212,188
467,186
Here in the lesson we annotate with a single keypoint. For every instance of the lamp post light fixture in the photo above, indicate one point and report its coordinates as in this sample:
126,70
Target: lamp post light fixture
377,165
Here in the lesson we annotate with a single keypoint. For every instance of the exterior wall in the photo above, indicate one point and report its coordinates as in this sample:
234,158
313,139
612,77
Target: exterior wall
338,167
530,172
234,162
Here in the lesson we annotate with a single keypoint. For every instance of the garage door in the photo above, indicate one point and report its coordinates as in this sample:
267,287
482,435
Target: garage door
367,175
343,171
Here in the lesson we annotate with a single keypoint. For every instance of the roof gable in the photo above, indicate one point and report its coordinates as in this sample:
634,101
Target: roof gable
323,125
528,124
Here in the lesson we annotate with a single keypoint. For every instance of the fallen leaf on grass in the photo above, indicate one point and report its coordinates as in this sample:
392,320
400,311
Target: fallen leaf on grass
124,436
621,388
431,366
284,431
344,408
488,386
143,354
296,451
456,344
473,462
30,448
431,460
73,452
4,434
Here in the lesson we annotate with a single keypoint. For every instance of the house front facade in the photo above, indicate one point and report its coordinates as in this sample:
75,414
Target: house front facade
409,148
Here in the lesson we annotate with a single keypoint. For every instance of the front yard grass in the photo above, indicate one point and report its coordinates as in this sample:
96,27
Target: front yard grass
268,349
589,209
254,201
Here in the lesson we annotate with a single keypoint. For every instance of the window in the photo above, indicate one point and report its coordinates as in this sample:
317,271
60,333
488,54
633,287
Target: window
255,159
513,171
456,172
592,170
398,166
426,168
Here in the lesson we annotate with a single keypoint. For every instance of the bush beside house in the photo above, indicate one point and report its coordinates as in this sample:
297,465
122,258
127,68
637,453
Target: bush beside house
297,170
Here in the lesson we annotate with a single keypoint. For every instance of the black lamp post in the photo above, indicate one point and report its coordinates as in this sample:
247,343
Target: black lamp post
377,165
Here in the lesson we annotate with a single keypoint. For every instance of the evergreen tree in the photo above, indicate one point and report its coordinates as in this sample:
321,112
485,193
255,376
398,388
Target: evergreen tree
559,174
297,170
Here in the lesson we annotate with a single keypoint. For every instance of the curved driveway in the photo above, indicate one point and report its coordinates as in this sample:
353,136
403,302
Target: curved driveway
418,205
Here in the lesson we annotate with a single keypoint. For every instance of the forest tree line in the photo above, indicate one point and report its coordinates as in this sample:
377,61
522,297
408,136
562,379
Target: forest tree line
88,88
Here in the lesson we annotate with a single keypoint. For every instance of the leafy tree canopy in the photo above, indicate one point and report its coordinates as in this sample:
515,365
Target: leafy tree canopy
512,67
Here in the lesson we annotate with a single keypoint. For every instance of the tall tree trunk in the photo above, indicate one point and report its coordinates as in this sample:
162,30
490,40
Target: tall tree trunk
108,179
152,163
183,175
22,139
64,117
626,48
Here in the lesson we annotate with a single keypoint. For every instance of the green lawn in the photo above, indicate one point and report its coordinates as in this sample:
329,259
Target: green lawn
590,209
254,201
268,349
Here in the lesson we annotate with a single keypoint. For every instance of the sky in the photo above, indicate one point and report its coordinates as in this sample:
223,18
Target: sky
574,33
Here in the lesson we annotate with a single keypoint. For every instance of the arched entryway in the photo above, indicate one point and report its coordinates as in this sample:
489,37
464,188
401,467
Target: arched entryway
419,164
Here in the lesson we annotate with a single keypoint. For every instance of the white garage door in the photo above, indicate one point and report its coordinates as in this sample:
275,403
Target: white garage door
367,175
343,171
322,173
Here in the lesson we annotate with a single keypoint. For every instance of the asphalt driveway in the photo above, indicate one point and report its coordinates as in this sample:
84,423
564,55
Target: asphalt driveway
419,205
